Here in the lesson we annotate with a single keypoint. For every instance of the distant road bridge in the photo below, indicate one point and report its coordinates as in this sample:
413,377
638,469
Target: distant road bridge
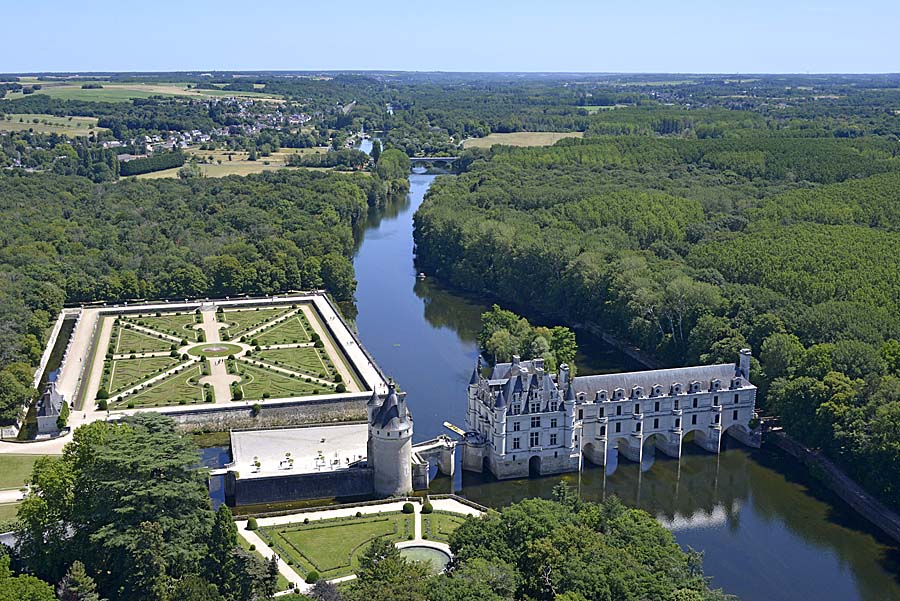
433,159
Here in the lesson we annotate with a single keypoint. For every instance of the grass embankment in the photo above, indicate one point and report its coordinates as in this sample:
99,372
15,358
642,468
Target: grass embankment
521,138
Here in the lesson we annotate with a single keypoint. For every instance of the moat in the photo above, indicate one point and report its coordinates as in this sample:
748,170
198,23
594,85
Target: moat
768,531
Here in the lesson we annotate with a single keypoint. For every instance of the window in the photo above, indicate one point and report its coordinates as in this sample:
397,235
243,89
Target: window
535,422
716,418
618,426
516,443
637,427
535,439
676,403
534,408
736,397
553,423
716,401
618,409
515,410
516,426
602,412
656,406
581,414
677,422
655,423
637,407
553,440
734,415
694,420
602,430
695,402
553,406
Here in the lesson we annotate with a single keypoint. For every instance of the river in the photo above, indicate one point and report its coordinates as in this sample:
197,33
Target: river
768,532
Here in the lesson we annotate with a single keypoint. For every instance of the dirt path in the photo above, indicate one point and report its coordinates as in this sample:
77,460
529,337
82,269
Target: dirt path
219,378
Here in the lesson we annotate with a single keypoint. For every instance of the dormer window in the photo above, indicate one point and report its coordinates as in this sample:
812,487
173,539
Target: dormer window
657,390
637,392
601,395
715,385
619,394
695,386
677,388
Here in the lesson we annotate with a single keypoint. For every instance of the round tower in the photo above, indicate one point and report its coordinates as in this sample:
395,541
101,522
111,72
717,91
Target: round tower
390,446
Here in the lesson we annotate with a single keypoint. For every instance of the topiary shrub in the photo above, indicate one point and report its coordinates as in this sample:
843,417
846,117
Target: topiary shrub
341,388
408,508
102,394
253,547
102,405
252,525
131,404
305,520
312,577
427,507
359,514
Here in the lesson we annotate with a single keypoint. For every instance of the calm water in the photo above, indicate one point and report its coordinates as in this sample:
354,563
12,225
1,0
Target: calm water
767,531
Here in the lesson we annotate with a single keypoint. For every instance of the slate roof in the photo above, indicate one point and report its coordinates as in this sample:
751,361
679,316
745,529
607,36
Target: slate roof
663,377
392,415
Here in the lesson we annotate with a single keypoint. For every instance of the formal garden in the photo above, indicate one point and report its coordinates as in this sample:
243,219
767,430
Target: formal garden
180,358
332,547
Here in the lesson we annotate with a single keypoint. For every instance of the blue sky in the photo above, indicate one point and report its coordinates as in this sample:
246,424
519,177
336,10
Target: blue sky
705,36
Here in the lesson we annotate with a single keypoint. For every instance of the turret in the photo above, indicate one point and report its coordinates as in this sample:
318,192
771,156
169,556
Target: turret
569,421
499,434
390,442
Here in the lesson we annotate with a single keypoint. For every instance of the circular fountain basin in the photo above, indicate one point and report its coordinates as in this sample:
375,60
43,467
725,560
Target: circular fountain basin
437,558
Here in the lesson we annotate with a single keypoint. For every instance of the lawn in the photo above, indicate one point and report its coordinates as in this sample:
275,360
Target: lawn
51,124
248,319
521,138
125,373
133,341
332,547
174,390
440,525
174,324
306,360
261,383
292,330
15,470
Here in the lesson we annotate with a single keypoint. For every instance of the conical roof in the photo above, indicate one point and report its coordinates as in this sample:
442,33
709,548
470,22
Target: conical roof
392,414
500,402
570,393
374,400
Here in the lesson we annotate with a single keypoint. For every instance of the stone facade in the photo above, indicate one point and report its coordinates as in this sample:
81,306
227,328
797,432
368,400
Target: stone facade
525,421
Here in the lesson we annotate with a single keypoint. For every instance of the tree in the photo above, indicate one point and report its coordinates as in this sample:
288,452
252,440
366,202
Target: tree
77,585
325,591
338,276
223,539
780,354
190,171
22,587
195,588
376,149
13,395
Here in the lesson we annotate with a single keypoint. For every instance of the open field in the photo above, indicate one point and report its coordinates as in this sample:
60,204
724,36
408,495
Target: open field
50,124
521,138
332,547
261,383
238,165
593,109
15,470
440,525
118,92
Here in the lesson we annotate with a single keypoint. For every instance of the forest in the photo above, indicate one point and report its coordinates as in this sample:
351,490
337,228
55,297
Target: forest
67,240
694,248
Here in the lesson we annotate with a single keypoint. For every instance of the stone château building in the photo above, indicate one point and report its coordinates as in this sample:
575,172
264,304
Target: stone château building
522,420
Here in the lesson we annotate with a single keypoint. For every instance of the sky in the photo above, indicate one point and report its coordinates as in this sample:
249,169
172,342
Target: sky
658,36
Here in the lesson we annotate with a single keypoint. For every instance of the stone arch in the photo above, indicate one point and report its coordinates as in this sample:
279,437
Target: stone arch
627,447
704,437
595,453
668,443
534,466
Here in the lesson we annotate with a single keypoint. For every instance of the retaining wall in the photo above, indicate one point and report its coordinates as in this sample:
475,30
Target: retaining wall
835,479
355,482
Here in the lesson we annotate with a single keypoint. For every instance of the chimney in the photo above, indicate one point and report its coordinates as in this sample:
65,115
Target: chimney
744,364
563,379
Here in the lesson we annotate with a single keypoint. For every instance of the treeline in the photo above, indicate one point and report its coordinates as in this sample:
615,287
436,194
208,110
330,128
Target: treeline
681,248
57,154
346,158
65,239
156,162
545,550
150,114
